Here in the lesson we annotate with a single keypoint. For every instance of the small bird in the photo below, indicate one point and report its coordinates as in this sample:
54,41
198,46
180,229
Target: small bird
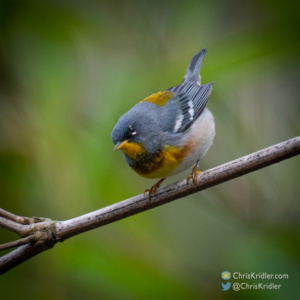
168,132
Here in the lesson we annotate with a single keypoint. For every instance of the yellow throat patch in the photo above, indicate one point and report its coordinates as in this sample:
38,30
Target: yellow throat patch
160,98
132,150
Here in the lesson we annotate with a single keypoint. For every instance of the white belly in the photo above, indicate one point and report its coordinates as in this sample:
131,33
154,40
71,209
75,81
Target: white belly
200,136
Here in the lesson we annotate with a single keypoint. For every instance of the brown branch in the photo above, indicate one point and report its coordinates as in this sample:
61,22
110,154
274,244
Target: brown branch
52,232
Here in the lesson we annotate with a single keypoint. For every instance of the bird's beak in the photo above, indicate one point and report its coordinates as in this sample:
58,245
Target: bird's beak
120,145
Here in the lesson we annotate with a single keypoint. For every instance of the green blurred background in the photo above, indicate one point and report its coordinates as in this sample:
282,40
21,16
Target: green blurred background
69,69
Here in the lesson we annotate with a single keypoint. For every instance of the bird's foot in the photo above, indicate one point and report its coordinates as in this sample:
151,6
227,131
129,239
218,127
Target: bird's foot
154,188
194,175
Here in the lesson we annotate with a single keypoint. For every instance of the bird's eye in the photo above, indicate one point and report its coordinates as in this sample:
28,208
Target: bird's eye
131,130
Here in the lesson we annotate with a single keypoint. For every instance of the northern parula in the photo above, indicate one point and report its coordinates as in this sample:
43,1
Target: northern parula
168,132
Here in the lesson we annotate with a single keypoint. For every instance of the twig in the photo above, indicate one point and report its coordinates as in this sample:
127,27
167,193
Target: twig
12,226
59,231
25,230
19,219
23,241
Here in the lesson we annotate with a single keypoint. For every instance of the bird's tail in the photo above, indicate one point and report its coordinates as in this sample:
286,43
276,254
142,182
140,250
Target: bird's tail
192,73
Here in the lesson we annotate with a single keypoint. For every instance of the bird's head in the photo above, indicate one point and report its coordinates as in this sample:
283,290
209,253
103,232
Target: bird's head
135,131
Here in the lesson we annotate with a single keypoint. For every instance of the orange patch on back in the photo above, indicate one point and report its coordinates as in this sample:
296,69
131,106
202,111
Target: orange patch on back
160,98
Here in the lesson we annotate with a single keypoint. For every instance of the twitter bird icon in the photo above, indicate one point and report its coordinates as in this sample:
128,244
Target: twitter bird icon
226,286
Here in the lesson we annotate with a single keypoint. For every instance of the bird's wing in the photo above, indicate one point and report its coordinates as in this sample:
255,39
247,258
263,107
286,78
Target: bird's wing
191,100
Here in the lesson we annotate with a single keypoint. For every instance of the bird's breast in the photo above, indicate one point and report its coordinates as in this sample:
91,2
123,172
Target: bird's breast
159,164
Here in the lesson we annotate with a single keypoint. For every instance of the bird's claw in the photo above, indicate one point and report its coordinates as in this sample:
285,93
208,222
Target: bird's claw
194,175
153,189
